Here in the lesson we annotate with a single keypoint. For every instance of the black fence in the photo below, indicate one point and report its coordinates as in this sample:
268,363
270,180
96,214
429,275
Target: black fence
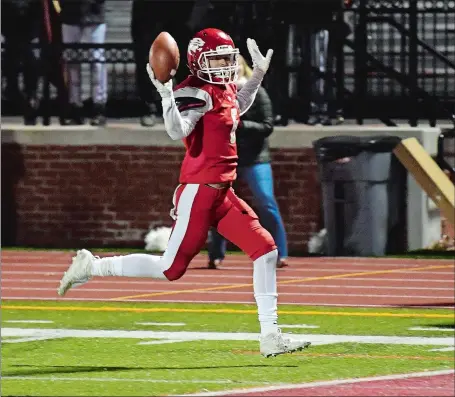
403,53
397,60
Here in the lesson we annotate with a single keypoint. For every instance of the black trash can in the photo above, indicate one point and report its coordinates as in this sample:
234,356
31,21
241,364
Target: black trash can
364,195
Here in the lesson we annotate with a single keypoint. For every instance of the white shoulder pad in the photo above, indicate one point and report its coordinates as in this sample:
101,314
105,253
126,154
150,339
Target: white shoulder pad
192,98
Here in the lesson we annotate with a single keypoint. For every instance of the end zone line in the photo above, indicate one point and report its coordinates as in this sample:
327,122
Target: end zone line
294,281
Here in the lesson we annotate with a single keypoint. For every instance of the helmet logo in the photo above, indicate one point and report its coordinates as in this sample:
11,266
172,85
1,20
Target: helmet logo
195,44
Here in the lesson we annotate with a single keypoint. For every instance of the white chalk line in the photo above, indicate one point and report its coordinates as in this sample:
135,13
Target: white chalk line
126,291
325,383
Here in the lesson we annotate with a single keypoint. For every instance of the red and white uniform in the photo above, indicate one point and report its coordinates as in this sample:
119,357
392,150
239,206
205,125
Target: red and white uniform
205,115
211,155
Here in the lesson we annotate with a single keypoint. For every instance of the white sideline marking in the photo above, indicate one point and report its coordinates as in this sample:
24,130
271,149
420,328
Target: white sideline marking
161,342
315,339
431,329
69,379
443,349
165,324
29,321
325,383
30,339
298,326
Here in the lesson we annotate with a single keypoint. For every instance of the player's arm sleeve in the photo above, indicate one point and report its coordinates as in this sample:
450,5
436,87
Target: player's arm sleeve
246,96
183,110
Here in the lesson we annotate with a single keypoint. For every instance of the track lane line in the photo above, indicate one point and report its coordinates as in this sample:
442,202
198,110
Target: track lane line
234,286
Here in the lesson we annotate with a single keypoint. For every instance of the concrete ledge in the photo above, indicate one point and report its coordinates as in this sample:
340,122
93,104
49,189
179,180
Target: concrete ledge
291,136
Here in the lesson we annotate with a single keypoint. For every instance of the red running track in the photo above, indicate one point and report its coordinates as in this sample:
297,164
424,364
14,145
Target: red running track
436,385
383,282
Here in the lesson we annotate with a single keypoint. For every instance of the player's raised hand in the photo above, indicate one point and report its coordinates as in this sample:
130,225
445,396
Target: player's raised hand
260,61
165,90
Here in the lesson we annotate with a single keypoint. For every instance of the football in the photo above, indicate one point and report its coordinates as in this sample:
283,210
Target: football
164,57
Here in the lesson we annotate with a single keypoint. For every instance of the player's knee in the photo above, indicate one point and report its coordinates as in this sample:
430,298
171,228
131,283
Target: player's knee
266,247
271,256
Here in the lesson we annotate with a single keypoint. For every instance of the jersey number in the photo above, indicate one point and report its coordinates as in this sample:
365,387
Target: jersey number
235,123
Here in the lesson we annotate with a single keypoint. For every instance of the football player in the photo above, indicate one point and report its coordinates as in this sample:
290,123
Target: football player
204,111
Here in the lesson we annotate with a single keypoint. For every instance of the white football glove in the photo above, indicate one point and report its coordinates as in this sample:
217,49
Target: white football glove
259,61
165,90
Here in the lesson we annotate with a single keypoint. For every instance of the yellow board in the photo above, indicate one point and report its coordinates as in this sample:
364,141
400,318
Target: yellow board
428,175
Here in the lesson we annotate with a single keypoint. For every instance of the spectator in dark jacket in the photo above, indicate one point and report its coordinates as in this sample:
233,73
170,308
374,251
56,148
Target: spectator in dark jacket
21,28
84,21
255,169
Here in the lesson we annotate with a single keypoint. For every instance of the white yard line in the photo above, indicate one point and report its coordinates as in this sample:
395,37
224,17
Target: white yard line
315,339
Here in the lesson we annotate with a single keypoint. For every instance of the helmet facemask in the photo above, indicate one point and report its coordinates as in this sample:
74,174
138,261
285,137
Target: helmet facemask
222,74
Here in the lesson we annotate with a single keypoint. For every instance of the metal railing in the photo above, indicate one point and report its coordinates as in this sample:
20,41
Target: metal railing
409,42
398,62
121,84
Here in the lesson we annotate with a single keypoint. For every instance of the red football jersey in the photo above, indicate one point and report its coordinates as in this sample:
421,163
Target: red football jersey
211,151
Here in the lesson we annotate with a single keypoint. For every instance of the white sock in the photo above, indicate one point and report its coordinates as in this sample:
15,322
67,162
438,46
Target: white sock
134,265
265,291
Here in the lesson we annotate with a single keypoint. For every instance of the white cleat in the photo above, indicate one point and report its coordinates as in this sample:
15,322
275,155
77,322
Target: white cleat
78,273
274,344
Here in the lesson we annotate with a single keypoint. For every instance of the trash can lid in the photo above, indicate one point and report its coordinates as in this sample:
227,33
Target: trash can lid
334,147
382,143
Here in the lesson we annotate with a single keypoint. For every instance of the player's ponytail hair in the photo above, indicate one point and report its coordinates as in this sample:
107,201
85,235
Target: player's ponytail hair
247,71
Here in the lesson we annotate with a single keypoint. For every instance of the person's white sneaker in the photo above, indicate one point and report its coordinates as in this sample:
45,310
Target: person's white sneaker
78,273
274,343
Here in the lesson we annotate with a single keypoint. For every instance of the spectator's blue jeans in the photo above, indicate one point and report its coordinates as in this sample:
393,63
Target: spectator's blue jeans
260,181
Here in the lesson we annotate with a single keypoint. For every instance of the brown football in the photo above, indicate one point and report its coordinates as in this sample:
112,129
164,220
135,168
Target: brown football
164,57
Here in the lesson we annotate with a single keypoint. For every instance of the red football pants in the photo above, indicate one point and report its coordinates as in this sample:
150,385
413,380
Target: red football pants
196,209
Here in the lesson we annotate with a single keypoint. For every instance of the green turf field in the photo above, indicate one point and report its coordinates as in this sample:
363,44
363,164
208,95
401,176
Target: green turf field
125,349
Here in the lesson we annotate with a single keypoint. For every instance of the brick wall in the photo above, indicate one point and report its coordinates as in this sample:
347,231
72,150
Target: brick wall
98,195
